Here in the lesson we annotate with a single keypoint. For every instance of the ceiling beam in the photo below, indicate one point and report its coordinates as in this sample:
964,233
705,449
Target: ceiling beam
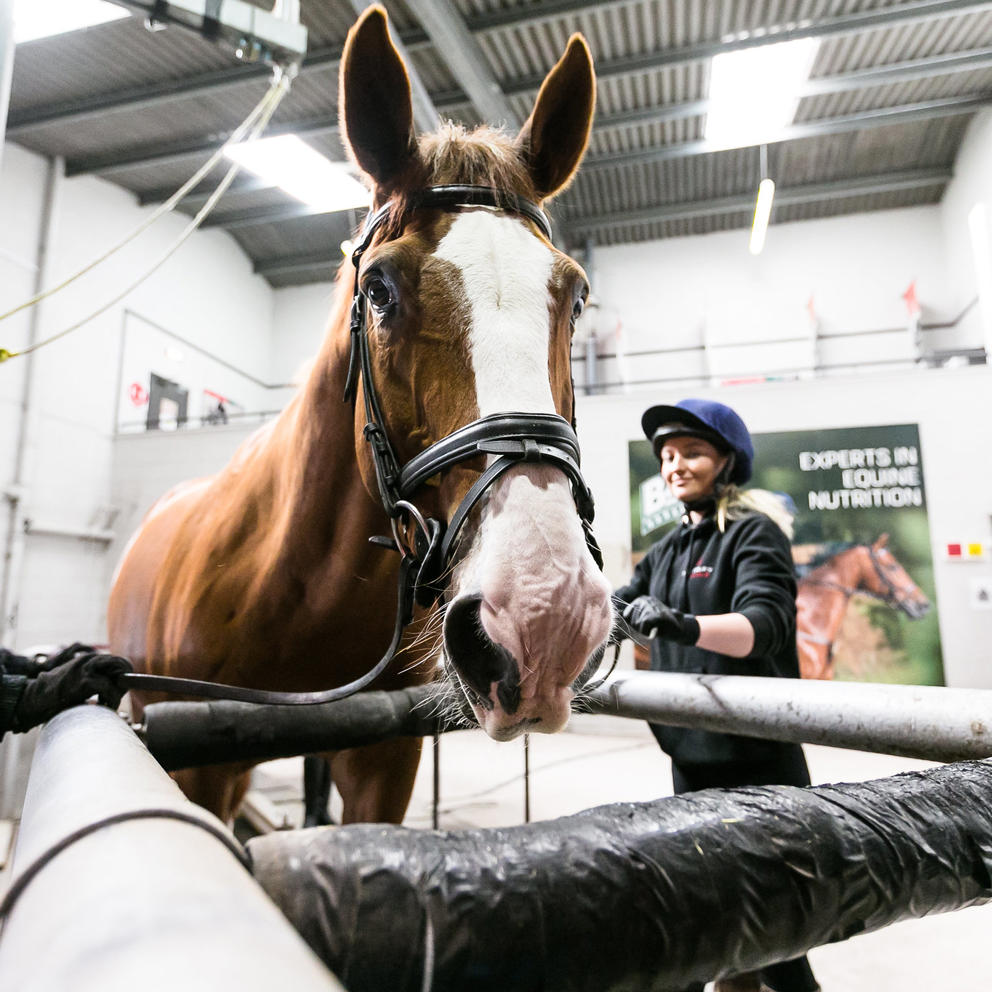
902,114
546,10
458,49
896,72
785,196
414,39
231,220
286,264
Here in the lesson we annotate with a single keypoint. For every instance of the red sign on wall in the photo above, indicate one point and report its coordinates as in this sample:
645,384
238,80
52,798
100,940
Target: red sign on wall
137,394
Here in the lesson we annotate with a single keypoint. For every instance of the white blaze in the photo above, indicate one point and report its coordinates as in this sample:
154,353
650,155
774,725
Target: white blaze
506,272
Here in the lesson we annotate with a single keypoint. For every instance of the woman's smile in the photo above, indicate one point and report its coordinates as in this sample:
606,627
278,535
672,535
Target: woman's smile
690,466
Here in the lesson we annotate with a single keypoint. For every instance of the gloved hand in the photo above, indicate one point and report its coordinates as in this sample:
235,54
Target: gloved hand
17,664
71,683
653,618
66,654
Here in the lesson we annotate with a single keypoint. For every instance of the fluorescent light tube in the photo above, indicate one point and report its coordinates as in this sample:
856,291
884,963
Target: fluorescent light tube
754,92
762,213
288,162
34,19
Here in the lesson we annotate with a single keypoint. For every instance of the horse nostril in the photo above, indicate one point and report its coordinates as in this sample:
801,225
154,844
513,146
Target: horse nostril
478,659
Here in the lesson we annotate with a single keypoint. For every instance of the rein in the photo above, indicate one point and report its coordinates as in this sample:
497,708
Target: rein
510,438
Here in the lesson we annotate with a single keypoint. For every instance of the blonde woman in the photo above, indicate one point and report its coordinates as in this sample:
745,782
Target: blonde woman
717,595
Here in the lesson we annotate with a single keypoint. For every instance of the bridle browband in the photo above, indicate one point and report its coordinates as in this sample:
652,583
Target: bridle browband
509,438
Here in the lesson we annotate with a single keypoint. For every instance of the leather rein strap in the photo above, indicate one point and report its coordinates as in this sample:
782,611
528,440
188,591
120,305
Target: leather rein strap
510,438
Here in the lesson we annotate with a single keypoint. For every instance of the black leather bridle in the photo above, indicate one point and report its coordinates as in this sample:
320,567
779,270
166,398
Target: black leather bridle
511,438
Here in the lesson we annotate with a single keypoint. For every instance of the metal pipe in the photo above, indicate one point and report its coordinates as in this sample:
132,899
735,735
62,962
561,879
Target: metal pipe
928,722
188,735
116,875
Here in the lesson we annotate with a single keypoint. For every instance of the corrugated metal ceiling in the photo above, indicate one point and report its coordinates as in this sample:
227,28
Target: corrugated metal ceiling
144,109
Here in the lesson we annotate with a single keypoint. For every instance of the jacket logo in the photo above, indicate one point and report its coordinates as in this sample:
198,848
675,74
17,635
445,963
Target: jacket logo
700,571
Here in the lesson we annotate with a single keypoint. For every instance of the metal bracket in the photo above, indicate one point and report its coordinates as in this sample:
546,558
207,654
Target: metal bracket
253,34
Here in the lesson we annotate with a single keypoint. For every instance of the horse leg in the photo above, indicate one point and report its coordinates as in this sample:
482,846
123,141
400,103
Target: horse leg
217,788
376,781
316,791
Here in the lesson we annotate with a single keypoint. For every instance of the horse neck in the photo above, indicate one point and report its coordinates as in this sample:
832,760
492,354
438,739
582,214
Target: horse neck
311,450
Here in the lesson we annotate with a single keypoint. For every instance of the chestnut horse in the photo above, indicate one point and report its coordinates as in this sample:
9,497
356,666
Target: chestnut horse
264,575
824,593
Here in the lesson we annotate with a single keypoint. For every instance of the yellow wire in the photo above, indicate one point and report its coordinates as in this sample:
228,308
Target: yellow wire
262,114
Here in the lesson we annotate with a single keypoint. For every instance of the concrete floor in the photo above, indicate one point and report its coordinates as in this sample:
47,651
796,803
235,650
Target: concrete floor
603,760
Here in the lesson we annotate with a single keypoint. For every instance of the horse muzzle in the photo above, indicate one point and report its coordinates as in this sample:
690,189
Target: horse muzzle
509,696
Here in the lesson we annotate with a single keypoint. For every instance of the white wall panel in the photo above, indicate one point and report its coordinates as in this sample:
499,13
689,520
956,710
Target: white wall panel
972,184
206,291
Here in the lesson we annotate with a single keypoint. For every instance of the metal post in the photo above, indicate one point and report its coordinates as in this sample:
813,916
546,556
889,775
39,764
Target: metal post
928,722
16,750
526,778
6,64
134,880
436,807
13,547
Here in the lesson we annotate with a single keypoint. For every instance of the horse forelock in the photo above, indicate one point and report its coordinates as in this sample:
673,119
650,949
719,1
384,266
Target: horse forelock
455,155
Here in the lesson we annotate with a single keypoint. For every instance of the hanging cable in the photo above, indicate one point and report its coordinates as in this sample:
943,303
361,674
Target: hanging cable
252,126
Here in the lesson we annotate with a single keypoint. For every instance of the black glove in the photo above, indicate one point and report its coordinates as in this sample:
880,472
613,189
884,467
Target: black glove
653,618
66,654
17,664
72,683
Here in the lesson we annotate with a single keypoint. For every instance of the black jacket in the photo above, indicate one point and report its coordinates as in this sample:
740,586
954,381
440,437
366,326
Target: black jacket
746,569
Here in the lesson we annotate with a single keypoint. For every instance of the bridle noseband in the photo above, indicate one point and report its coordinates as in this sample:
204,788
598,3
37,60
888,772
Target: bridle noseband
511,438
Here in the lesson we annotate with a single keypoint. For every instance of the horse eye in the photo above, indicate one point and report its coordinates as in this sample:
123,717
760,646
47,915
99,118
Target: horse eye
577,308
379,293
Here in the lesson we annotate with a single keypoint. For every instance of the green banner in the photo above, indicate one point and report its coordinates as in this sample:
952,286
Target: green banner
866,603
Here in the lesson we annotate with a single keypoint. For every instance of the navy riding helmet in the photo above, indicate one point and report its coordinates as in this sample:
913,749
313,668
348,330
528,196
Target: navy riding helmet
709,420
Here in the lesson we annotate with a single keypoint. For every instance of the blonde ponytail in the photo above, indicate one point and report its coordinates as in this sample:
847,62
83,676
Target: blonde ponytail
735,503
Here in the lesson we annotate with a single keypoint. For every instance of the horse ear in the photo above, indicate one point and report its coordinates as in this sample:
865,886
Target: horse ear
881,542
554,137
375,106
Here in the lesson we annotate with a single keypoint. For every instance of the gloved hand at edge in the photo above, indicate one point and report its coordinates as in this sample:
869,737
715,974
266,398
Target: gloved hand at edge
651,617
71,683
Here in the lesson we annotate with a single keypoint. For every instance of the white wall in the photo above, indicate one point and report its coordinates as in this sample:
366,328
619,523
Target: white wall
708,290
207,292
300,317
972,185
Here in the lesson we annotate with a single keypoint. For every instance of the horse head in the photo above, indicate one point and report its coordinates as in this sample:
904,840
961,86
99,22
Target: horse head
468,314
890,581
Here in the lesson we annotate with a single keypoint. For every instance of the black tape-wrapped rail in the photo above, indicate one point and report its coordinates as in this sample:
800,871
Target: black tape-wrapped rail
634,896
